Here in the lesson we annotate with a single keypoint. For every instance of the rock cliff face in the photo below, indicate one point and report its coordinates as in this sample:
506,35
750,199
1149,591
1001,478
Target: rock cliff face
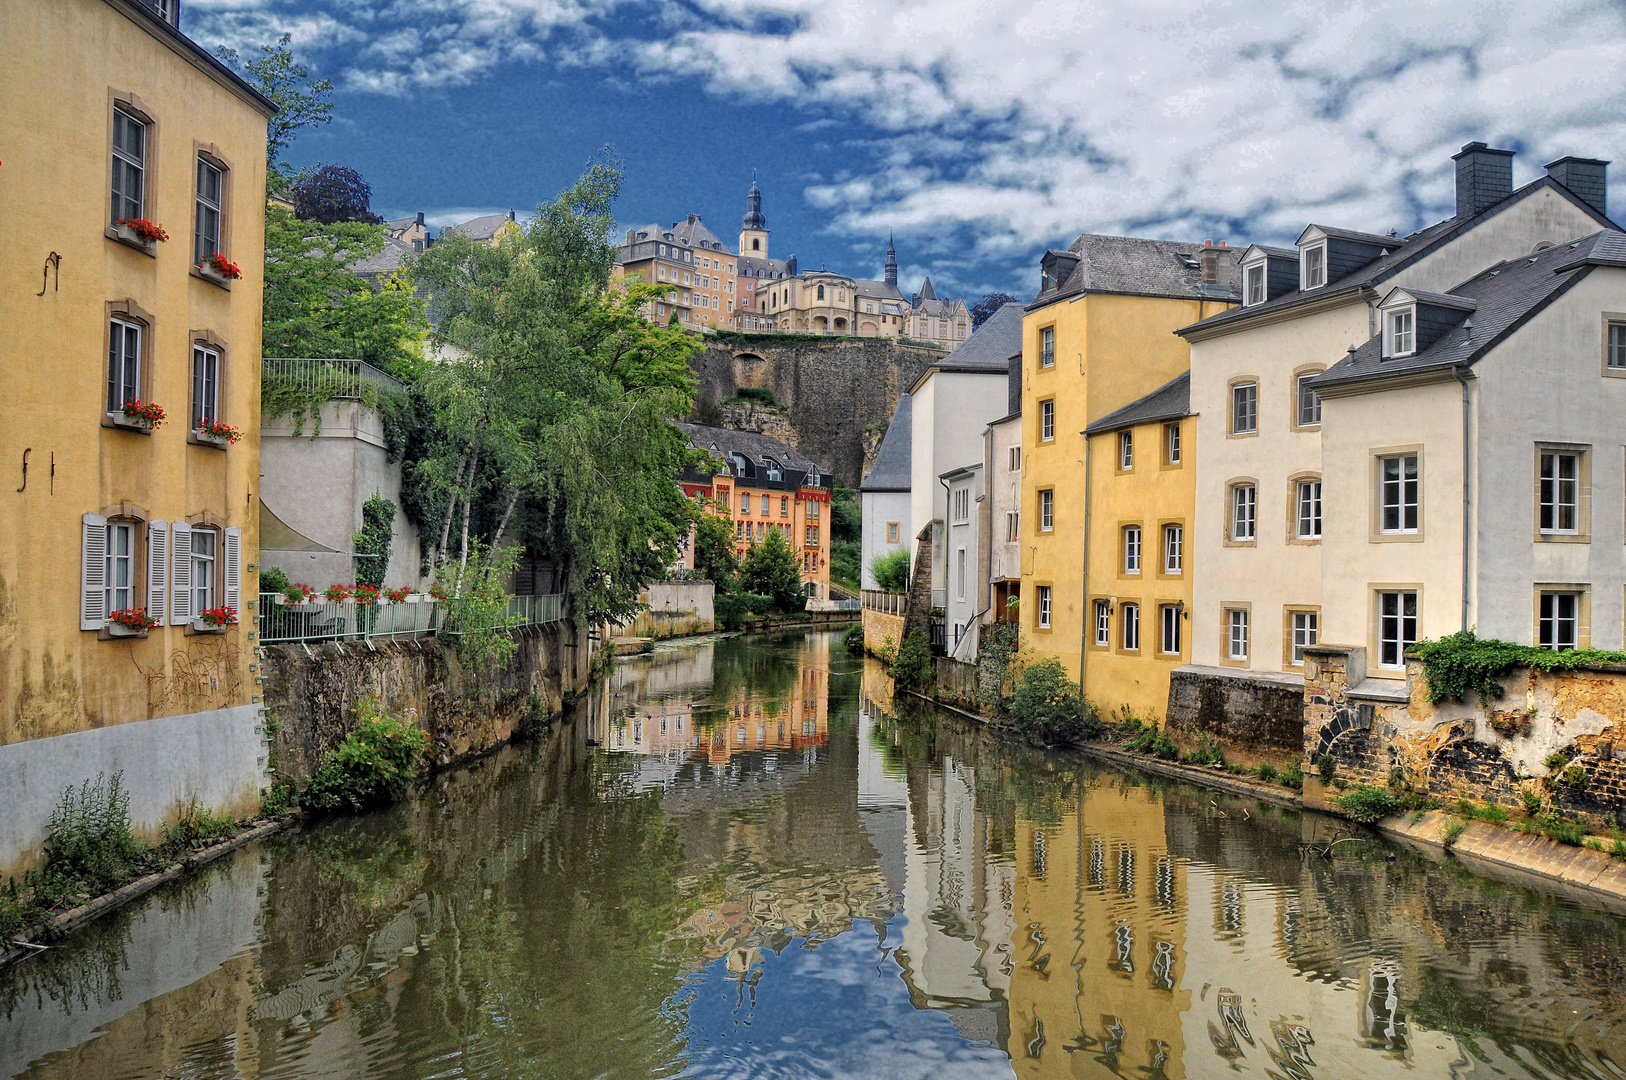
830,393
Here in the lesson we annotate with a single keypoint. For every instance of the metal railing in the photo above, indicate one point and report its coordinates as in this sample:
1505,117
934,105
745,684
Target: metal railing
890,603
844,605
338,379
346,620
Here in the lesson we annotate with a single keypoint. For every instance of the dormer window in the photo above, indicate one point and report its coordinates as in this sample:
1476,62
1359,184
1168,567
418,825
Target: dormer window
1314,263
1254,283
1401,333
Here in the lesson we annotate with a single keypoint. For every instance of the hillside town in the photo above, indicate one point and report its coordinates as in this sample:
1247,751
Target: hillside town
426,640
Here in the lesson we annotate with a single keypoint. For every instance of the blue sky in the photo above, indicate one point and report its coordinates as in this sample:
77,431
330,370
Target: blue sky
981,132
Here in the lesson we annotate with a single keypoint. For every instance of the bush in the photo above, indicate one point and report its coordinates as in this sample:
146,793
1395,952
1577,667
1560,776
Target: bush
1164,747
1142,742
1462,662
1367,804
854,638
1327,767
772,569
197,824
272,579
914,666
1267,772
1048,709
733,606
373,766
891,570
1293,777
88,839
761,395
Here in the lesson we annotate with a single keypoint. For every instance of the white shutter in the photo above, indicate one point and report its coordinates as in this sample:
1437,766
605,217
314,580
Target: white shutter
180,573
234,570
157,569
93,574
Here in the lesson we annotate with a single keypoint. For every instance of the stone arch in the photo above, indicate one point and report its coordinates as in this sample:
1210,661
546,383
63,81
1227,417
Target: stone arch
867,329
749,369
840,325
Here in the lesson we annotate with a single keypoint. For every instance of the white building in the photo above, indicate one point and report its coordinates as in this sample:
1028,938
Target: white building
1000,545
966,599
885,495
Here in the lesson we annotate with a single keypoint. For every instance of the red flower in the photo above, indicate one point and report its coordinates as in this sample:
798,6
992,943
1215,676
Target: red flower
337,593
149,232
398,596
219,616
218,430
223,266
150,411
135,618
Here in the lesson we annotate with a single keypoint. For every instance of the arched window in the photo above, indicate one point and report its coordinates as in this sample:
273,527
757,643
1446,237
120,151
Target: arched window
821,292
756,244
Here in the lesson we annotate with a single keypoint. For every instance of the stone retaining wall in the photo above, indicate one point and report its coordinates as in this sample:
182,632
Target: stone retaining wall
1252,713
878,627
675,609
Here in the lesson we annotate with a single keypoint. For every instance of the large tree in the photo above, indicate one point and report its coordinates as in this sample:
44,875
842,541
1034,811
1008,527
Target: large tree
301,102
988,305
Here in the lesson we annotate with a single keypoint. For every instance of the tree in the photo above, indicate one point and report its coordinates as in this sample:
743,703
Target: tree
1048,709
301,102
334,193
773,570
891,570
373,541
714,546
988,305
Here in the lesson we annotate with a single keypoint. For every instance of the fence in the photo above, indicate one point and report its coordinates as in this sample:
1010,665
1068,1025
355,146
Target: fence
338,379
888,603
327,620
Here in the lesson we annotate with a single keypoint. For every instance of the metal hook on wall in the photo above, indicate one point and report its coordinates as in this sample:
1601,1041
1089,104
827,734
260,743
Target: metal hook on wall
53,261
26,452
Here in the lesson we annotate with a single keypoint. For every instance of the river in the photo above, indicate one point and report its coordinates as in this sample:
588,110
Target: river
741,858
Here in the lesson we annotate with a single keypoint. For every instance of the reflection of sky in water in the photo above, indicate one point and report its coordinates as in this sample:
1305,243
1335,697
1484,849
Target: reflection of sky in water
838,1010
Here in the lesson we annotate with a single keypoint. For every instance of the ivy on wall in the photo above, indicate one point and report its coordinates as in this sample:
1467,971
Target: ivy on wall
372,543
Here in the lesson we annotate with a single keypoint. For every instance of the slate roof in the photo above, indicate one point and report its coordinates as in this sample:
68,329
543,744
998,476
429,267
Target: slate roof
693,232
752,444
399,224
891,471
1403,251
878,290
750,264
1348,234
1506,296
1171,401
1136,267
383,263
482,228
992,344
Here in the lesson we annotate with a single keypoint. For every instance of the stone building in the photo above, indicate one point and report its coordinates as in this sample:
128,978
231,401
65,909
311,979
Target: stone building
698,266
945,323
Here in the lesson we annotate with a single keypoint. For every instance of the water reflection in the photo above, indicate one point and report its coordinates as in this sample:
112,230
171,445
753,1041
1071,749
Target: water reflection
744,858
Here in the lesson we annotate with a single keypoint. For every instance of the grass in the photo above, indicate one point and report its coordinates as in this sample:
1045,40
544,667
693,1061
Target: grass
1367,804
1450,831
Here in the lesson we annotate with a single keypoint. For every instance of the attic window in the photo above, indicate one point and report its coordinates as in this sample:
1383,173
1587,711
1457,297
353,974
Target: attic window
1400,332
1314,262
1255,285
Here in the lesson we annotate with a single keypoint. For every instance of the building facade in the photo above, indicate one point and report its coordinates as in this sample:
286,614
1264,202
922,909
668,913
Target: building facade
966,596
884,494
139,289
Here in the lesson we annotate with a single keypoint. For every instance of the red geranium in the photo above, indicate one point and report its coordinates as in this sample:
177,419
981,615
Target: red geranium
336,593
150,411
219,616
149,232
223,266
298,594
364,594
218,430
398,596
136,618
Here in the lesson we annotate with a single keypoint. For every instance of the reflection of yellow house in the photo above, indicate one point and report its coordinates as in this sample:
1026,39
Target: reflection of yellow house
1142,483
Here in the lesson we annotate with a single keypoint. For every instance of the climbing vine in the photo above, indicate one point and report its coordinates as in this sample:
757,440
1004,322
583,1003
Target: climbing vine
372,543
1462,662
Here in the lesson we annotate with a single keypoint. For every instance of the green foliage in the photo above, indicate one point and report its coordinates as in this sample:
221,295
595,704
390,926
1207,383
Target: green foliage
846,538
1048,709
272,579
88,839
301,102
1141,742
773,570
891,570
1462,662
373,541
1450,831
1293,777
759,395
1209,753
1367,804
1555,762
1473,811
1164,747
1575,777
854,638
1554,827
476,609
998,650
914,667
1531,800
377,760
731,608
196,826
1327,767
1267,772
277,800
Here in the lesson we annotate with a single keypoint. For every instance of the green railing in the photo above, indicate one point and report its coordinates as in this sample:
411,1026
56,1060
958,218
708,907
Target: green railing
346,620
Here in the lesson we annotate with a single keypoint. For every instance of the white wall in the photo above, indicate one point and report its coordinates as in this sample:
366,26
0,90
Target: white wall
880,507
962,537
1004,487
950,411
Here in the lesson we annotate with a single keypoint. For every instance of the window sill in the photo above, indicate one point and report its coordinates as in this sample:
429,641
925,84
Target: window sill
196,628
1241,543
1397,538
115,632
196,439
126,237
1226,661
1254,434
217,280
125,423
1563,538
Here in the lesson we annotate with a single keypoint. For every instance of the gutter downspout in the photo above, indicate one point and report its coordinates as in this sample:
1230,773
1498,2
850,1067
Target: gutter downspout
1370,295
1084,574
1467,493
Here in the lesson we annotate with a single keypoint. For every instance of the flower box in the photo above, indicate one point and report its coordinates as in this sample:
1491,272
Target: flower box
135,423
216,433
200,626
212,439
120,630
219,269
208,272
139,232
129,622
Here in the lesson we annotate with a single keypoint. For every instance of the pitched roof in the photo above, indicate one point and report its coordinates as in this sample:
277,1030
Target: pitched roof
926,292
877,290
1136,267
891,470
693,231
1170,401
383,263
484,227
750,264
1336,233
752,444
992,344
402,223
1505,297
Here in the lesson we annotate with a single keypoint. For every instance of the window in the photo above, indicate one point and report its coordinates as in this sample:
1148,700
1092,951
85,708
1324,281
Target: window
1103,623
1309,402
962,505
812,539
739,530
1315,266
1560,619
1016,459
765,506
1560,492
1174,549
1171,443
784,506
1309,510
812,510
203,570
959,571
821,292
1047,421
123,364
1132,549
1130,627
1402,336
1169,638
129,166
1047,507
119,588
1013,522
1306,629
1047,347
1244,408
892,530
1255,293
1244,512
1126,449
210,182
1397,494
205,386
1044,607
1236,633
1616,359
1397,627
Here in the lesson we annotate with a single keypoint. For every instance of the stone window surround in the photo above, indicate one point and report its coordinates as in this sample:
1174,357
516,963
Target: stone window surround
1123,549
130,311
1164,606
1374,646
1227,520
1044,628
130,103
1583,613
1179,445
1225,658
1603,358
1300,373
1123,627
1288,611
1376,534
1093,639
1230,406
210,152
1293,483
1163,547
1583,484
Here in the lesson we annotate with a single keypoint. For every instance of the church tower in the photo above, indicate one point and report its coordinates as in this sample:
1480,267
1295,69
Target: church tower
754,227
891,262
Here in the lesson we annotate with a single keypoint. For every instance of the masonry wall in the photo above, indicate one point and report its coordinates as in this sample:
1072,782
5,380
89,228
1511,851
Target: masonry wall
676,608
1252,715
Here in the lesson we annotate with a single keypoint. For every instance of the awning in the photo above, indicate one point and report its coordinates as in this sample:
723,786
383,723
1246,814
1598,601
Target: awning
278,535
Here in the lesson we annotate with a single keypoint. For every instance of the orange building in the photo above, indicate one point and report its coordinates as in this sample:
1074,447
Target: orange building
699,267
765,486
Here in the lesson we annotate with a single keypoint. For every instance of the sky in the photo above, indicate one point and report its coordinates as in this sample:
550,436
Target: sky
978,132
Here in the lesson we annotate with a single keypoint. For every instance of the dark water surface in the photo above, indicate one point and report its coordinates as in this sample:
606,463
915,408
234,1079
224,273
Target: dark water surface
741,859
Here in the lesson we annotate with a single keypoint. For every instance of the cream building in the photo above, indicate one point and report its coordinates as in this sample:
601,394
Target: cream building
946,323
698,266
884,494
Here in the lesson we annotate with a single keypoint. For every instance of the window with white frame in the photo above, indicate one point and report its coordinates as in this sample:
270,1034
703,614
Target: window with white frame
1103,623
1129,619
1616,358
1047,420
1309,510
1047,347
204,546
123,363
1244,408
1043,613
962,505
1309,402
119,587
1131,549
1560,620
1254,291
1402,332
205,386
1171,443
129,166
1397,627
1013,523
1236,633
211,184
1306,630
1314,261
1016,459
1397,493
1169,636
1244,512
784,506
1047,508
1126,449
1560,492
1174,549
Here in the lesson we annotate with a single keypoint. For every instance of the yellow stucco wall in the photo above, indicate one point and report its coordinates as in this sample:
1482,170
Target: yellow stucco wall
66,62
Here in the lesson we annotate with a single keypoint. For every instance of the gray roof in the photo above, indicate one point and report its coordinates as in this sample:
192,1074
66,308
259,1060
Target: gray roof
1136,267
878,290
1445,300
752,444
891,471
1350,234
1171,401
750,264
385,262
484,227
693,232
992,344
403,223
1506,296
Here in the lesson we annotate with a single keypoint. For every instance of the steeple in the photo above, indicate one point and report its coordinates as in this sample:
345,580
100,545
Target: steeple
926,292
754,227
891,262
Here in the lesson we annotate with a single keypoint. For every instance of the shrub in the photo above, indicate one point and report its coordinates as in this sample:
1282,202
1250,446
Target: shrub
761,395
1555,762
88,838
1575,777
1163,747
891,570
1327,767
1450,831
1367,804
196,824
1048,709
1142,743
854,638
1267,772
1462,662
373,766
1209,753
1554,827
914,666
772,569
1292,776
731,607
1531,798
272,579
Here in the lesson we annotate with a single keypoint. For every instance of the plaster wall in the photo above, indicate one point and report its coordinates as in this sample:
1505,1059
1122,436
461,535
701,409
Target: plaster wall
949,412
879,508
675,608
1003,557
967,597
1542,217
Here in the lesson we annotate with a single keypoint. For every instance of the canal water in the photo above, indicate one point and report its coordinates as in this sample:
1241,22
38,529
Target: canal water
741,858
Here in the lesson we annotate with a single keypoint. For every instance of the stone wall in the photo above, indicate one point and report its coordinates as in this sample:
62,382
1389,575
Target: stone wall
1252,714
675,609
879,626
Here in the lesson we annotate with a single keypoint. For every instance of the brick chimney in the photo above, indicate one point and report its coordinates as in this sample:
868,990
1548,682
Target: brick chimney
1484,178
1586,179
1209,259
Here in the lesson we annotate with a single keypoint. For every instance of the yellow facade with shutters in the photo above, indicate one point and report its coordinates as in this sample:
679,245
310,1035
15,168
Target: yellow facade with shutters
113,115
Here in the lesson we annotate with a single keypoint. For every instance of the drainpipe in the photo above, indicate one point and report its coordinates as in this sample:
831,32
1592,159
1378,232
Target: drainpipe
1467,496
1084,575
1370,295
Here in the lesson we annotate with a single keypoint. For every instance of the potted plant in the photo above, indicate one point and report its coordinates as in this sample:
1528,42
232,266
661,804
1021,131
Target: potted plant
364,594
337,594
398,596
130,622
215,620
143,415
140,232
216,432
219,269
298,593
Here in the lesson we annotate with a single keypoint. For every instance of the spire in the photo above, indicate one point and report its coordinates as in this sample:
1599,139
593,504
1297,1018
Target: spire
753,208
891,262
926,290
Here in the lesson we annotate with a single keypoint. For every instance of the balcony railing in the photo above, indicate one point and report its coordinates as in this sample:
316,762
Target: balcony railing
346,620
339,380
889,603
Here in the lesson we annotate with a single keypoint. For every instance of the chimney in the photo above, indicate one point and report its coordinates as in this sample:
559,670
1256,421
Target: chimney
1210,263
420,217
632,237
510,215
1585,178
1484,178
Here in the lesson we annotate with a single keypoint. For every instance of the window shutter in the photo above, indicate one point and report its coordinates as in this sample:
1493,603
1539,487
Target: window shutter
234,570
157,569
180,573
93,574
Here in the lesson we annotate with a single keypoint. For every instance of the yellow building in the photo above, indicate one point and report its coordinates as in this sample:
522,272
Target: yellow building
115,117
1099,336
1142,495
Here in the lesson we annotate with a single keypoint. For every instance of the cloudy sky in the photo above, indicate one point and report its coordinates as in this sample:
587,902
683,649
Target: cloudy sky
979,131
